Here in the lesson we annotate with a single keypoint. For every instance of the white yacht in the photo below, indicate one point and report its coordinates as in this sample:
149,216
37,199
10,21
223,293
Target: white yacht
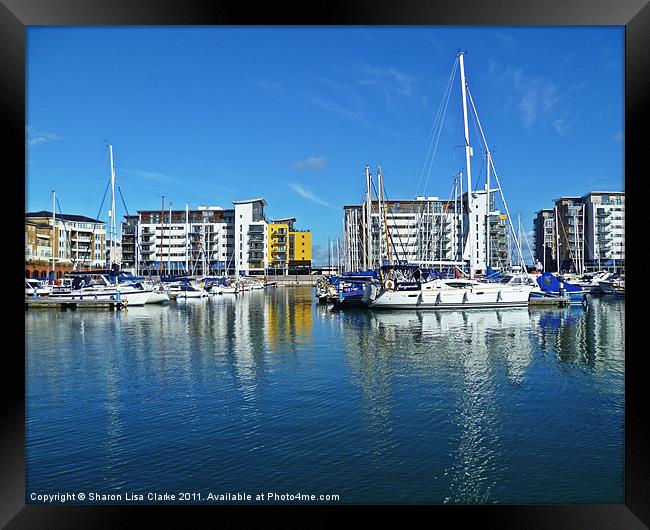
189,289
409,292
35,287
83,287
158,295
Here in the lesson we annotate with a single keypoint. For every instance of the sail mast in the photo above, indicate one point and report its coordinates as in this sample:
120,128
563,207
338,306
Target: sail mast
468,154
187,235
368,219
53,232
169,240
112,229
488,256
162,227
557,243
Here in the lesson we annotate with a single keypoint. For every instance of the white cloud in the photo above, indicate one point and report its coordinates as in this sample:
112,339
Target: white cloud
313,163
35,137
391,80
307,194
150,175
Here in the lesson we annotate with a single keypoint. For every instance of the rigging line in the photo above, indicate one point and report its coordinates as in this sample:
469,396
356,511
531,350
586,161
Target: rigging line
123,201
103,198
479,174
433,127
68,237
398,234
435,150
381,220
496,176
566,237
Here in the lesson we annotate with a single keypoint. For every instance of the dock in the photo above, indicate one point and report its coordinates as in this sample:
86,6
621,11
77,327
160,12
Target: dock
64,305
556,301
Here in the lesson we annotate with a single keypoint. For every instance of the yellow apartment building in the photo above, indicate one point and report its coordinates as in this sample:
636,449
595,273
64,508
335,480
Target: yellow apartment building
289,250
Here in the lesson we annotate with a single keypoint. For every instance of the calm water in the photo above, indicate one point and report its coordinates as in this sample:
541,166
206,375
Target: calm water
271,392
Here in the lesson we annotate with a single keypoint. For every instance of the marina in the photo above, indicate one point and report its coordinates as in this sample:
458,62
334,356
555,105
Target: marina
256,310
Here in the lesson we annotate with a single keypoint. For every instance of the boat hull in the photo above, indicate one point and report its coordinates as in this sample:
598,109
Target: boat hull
158,298
451,298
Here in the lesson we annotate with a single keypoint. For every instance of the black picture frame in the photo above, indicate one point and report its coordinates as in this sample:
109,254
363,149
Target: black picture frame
16,15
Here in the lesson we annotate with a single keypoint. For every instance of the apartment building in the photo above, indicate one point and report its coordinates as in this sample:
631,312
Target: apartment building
251,237
66,242
426,231
198,241
544,238
289,250
604,228
590,232
212,240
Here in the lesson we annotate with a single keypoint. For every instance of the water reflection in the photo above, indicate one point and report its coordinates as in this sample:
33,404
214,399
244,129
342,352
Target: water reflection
269,389
471,353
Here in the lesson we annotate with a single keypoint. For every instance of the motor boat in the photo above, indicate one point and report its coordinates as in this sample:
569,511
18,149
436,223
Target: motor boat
35,287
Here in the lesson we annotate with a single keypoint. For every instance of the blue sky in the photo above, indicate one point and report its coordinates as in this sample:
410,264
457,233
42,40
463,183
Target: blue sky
209,115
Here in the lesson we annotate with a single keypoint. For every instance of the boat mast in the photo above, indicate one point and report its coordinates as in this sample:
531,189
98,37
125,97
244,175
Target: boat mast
582,252
53,232
187,234
169,240
488,256
379,211
162,227
468,154
338,257
113,228
385,221
557,242
368,218
462,219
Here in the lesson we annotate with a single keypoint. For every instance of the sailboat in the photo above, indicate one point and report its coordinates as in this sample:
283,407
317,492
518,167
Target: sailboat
407,286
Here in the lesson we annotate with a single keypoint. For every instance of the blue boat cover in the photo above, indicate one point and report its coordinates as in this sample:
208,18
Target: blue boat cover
492,274
550,284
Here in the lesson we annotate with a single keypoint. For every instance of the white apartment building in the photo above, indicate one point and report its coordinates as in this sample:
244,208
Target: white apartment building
604,228
251,237
197,242
425,231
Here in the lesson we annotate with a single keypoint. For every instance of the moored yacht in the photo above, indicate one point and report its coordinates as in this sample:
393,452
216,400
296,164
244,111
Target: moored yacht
403,288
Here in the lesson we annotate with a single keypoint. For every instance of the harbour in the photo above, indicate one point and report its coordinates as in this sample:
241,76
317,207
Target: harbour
279,301
271,390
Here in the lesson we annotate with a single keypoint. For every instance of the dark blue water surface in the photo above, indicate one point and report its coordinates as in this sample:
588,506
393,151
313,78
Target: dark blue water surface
271,392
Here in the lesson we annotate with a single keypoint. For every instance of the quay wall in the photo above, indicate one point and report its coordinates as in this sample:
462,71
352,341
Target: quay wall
295,279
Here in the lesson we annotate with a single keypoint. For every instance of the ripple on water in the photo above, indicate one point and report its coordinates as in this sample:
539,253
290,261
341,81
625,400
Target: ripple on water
271,391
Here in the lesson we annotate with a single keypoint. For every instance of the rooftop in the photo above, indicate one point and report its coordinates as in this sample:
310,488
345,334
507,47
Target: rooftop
250,200
64,216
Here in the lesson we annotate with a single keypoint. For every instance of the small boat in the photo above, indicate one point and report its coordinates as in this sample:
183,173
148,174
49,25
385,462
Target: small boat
326,289
34,287
84,287
613,286
224,286
190,290
351,287
158,295
551,285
